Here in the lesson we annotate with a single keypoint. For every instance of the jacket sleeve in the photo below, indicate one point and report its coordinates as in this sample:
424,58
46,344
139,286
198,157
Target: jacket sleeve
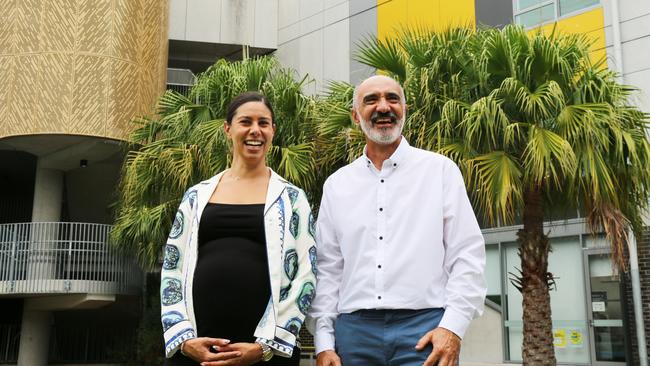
173,297
299,264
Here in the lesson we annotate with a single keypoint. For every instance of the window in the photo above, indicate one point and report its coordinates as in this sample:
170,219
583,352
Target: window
493,273
568,303
530,13
569,6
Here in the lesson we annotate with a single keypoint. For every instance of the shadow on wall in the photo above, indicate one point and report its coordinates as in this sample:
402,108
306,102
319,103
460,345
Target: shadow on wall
483,341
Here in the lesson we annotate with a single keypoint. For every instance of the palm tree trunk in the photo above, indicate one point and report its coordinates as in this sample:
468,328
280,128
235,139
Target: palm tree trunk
535,280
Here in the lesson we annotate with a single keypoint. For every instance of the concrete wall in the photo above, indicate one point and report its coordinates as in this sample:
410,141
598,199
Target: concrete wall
320,37
363,24
495,13
483,341
314,39
643,253
635,37
90,192
249,22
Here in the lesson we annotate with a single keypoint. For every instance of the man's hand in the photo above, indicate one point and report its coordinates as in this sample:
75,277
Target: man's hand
198,349
446,347
249,353
328,358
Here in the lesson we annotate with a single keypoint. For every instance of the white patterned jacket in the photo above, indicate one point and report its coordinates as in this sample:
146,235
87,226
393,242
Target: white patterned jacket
289,228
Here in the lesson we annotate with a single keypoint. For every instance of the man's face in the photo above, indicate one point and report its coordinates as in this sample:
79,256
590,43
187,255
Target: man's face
380,110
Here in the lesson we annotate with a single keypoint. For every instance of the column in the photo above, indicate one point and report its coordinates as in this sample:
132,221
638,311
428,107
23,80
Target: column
41,266
34,337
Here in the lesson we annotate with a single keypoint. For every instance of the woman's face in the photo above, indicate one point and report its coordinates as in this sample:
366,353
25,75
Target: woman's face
251,131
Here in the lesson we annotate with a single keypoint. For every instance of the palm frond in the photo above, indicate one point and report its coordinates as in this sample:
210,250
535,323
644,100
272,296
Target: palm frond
495,180
484,124
547,157
385,55
295,163
185,143
536,106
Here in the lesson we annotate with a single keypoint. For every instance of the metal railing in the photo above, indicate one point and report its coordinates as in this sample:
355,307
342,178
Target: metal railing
180,80
91,344
307,356
76,343
63,257
9,342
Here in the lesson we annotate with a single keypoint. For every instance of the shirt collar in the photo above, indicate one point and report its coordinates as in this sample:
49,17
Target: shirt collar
398,156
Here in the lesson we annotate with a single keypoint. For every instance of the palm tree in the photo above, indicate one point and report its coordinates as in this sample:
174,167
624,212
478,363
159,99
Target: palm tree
185,143
338,140
533,124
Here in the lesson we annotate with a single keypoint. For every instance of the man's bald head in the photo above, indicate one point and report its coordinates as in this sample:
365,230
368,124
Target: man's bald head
379,108
373,80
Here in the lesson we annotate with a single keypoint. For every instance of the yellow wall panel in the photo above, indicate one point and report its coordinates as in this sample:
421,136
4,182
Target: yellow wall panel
434,14
457,13
581,23
422,13
598,50
391,16
591,23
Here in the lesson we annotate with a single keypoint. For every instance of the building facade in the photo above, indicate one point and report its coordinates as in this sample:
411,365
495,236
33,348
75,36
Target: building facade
74,74
76,71
592,305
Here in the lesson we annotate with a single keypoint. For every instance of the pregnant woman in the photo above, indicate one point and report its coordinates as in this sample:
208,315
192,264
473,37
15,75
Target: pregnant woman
238,274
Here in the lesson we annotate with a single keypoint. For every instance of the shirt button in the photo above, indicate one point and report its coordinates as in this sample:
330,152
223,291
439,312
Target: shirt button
394,164
379,266
382,181
379,297
381,238
381,209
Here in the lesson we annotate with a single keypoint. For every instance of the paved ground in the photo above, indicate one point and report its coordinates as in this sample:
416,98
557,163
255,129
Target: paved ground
313,363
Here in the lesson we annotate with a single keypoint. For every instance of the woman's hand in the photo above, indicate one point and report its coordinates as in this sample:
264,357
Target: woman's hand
250,353
199,349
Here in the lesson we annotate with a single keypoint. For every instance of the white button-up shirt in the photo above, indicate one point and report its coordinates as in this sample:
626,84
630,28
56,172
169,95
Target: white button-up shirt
404,237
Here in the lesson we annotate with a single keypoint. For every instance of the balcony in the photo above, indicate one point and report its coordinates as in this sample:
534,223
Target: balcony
180,80
63,258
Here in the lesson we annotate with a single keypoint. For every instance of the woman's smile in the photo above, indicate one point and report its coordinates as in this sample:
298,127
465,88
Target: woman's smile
251,130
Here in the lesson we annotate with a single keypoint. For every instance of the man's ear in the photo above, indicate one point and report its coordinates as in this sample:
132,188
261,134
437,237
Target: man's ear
355,116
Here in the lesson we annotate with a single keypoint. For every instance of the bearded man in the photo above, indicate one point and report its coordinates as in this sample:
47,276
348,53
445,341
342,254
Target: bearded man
401,257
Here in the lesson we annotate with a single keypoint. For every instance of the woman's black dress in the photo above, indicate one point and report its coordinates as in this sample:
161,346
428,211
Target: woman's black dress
231,282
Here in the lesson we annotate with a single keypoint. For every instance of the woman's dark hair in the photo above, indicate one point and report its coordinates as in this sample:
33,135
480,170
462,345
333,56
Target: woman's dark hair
243,98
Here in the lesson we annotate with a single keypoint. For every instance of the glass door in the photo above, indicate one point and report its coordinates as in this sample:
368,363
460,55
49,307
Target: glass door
605,310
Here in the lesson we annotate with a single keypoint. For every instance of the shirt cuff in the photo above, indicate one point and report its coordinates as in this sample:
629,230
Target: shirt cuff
323,341
454,321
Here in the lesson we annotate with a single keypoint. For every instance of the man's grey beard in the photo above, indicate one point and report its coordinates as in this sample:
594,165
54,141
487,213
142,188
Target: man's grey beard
382,136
